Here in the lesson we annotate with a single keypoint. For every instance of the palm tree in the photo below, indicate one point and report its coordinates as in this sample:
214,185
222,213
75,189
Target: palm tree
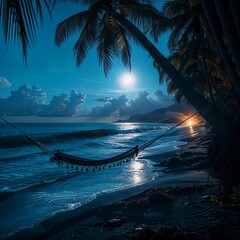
101,16
19,20
192,50
189,63
220,43
109,35
187,25
229,29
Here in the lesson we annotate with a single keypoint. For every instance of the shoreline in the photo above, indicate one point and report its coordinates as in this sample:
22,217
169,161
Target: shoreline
60,223
64,222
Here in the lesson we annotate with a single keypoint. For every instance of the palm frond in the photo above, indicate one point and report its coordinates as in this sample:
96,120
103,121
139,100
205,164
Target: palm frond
121,42
181,24
144,15
178,96
171,88
162,74
39,8
106,47
20,19
159,26
194,3
84,2
173,8
88,36
70,26
140,14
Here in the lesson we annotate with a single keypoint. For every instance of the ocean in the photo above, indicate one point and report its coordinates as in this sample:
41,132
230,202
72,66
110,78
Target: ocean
33,188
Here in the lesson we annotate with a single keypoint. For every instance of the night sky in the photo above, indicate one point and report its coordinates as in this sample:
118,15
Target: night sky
53,78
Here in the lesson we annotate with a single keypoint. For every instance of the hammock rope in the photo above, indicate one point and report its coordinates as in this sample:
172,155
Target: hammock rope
127,156
43,147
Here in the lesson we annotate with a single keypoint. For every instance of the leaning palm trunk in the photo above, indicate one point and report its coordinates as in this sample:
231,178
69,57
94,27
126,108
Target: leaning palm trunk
230,33
194,98
221,47
223,101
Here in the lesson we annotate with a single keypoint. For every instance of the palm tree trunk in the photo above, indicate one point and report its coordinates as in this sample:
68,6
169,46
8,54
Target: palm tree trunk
205,70
194,80
229,30
234,6
221,47
224,100
217,119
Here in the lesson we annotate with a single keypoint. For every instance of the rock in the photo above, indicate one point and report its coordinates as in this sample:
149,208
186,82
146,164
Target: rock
98,224
195,159
115,222
174,162
184,154
197,165
157,165
204,199
143,233
157,196
163,163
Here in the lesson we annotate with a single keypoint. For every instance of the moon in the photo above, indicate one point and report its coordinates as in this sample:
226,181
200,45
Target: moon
127,80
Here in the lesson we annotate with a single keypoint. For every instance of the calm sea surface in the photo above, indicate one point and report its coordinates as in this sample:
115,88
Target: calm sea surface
33,188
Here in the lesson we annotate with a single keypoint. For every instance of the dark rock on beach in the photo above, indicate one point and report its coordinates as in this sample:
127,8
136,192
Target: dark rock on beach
174,162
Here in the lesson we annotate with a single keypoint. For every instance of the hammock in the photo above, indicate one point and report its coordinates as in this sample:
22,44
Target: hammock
121,158
127,156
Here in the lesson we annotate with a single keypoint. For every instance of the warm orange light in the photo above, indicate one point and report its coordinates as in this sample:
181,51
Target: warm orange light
192,121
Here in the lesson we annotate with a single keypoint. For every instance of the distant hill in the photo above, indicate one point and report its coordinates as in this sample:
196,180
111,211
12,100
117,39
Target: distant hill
171,114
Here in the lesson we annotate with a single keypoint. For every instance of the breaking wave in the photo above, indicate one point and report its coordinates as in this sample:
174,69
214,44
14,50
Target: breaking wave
19,141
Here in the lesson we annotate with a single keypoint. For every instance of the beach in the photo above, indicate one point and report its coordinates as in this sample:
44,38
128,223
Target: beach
180,200
142,148
33,188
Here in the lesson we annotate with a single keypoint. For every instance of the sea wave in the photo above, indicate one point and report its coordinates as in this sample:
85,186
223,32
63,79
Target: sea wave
8,192
19,141
93,144
23,157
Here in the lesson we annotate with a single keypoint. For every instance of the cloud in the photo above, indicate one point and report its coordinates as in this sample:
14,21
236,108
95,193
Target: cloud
24,101
103,99
161,99
4,82
73,107
121,106
139,105
144,103
111,108
56,107
62,106
31,101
